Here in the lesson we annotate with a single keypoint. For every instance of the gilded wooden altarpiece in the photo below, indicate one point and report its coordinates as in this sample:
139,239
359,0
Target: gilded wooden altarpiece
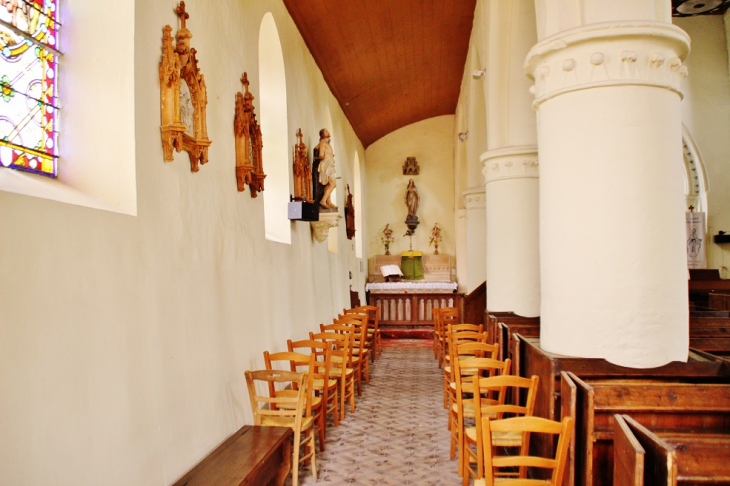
247,132
302,172
183,96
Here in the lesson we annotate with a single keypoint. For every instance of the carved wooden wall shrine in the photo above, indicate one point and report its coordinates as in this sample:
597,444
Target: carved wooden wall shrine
411,167
247,132
302,172
183,96
349,215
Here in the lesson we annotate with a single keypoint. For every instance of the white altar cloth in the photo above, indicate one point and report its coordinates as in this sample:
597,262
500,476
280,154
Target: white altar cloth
412,287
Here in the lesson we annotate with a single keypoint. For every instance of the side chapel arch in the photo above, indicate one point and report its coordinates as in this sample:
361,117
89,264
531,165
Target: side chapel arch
275,130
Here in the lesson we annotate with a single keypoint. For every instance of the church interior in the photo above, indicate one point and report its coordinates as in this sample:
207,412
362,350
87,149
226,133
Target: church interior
536,165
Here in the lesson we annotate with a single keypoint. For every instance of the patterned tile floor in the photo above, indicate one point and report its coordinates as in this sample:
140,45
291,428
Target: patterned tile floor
398,435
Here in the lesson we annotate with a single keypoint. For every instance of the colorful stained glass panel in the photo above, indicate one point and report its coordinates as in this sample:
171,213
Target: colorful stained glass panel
28,85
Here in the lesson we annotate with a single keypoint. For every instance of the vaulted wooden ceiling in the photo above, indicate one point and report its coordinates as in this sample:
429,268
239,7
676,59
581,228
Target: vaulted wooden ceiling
389,63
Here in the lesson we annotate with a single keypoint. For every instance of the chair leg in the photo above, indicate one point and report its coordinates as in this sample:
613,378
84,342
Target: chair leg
295,459
336,411
322,426
367,371
314,456
343,394
352,397
358,378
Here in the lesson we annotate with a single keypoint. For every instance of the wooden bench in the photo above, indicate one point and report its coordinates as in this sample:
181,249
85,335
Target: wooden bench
671,404
644,457
710,334
254,456
531,359
501,325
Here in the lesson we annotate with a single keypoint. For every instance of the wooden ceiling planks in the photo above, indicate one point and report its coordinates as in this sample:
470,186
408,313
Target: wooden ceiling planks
388,63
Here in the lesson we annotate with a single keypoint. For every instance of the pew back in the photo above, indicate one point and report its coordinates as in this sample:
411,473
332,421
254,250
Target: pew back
663,404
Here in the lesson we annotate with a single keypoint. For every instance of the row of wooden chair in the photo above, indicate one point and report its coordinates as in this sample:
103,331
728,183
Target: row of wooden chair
478,388
324,374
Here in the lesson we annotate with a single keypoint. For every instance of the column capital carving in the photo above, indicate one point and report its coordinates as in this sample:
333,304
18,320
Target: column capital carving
475,197
608,54
510,163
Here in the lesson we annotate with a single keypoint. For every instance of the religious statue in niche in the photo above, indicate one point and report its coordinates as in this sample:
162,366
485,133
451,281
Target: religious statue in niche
411,167
412,200
183,96
247,133
302,172
349,215
324,165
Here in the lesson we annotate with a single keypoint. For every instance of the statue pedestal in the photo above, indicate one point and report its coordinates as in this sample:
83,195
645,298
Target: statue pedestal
321,228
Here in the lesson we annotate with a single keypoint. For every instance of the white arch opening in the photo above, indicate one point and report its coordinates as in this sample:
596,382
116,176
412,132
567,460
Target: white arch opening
274,131
357,183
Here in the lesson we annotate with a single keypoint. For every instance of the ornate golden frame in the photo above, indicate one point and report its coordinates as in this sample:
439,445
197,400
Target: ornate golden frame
249,166
179,64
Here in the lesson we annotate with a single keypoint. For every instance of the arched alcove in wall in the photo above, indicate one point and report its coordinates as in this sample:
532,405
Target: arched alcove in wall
695,176
357,193
274,131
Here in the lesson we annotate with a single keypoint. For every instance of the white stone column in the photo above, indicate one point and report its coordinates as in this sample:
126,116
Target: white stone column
513,269
475,203
510,163
613,264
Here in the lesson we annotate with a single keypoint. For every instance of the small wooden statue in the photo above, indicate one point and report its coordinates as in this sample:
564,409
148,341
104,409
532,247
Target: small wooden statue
349,215
302,171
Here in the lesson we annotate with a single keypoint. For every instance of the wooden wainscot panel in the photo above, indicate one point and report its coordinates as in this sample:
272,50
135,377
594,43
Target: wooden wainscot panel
183,96
248,143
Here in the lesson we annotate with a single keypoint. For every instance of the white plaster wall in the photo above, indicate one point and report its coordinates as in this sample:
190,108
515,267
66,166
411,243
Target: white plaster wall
431,142
706,114
124,339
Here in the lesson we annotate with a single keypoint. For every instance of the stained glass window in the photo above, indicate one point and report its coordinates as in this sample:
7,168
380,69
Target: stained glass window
28,85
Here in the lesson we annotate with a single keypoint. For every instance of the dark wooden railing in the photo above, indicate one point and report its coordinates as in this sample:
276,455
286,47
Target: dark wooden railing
413,309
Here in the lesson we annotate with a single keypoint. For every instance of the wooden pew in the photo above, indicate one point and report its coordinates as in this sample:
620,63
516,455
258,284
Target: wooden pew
644,457
253,456
501,326
506,332
531,359
672,404
710,334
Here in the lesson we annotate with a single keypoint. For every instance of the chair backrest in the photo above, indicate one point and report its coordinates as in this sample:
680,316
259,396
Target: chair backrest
531,426
296,362
482,367
478,349
457,338
350,330
372,312
449,315
523,392
463,332
319,348
287,408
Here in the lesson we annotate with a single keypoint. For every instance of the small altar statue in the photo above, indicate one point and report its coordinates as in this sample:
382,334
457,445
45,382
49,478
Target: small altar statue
412,199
